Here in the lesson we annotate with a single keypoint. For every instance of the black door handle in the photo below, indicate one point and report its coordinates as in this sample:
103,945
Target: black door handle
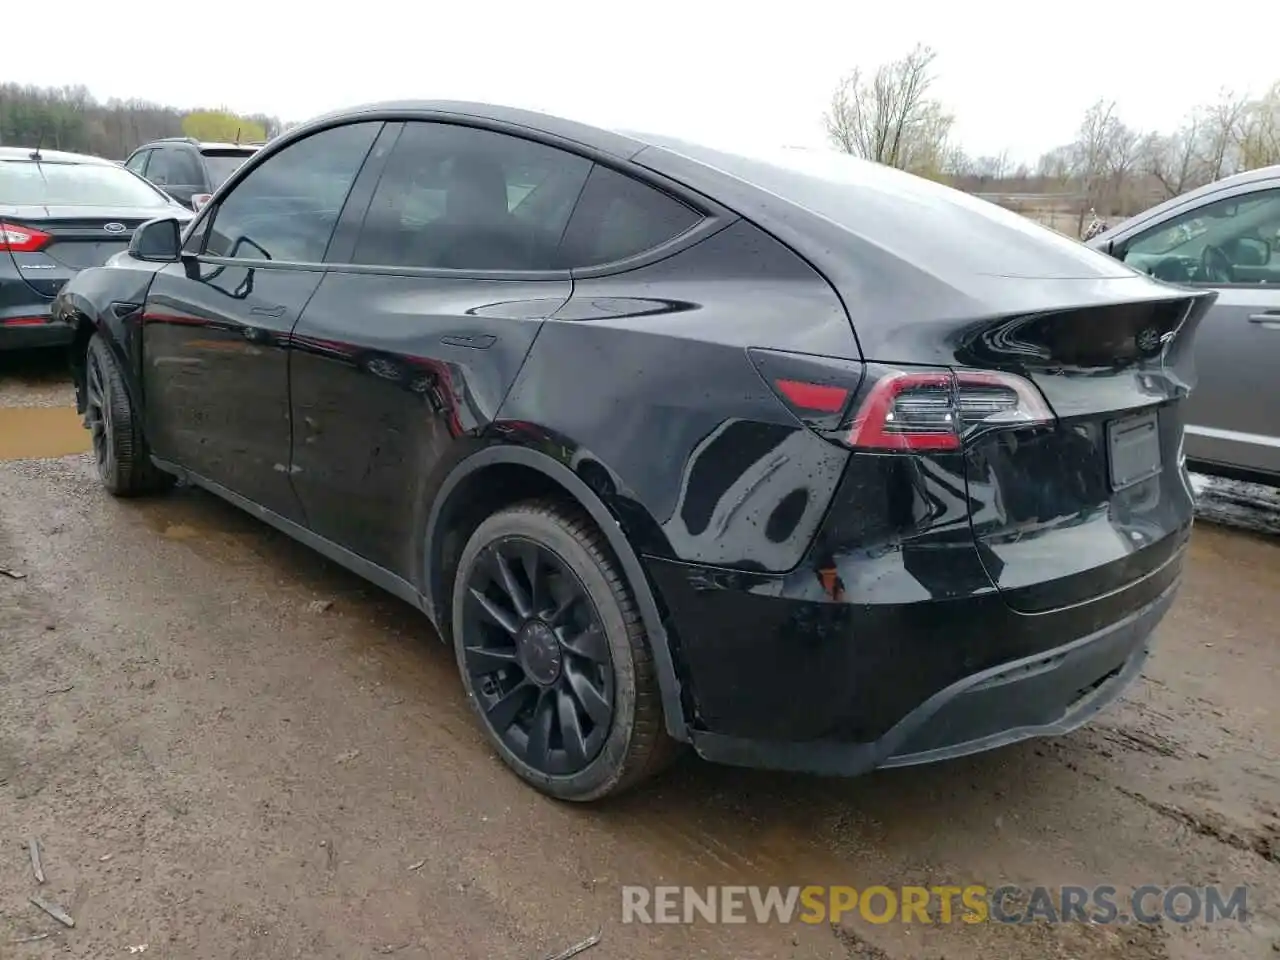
276,311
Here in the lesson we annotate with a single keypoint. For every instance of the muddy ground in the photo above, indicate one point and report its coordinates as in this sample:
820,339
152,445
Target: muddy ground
219,766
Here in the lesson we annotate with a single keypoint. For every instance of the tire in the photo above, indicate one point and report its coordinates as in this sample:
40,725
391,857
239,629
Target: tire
634,745
120,449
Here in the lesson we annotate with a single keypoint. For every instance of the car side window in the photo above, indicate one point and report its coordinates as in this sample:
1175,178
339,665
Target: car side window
619,217
184,168
286,208
460,198
1233,240
138,162
158,167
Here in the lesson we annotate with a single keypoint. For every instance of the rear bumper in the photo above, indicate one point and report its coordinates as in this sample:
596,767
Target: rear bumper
778,680
1046,694
26,329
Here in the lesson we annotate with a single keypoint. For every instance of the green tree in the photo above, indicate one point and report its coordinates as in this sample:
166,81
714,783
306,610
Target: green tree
222,125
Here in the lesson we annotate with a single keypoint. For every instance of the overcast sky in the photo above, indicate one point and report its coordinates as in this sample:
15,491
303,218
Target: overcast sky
1016,75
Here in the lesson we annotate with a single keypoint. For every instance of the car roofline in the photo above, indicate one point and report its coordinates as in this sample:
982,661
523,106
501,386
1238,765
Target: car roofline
28,154
1189,197
201,144
621,146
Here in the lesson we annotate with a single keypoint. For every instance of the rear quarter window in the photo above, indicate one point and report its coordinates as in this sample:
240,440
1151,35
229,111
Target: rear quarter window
184,168
619,217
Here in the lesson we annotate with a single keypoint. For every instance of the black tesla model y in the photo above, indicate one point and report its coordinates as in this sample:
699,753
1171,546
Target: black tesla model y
803,461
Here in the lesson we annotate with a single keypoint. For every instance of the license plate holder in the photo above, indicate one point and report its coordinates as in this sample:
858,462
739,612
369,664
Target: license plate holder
1133,449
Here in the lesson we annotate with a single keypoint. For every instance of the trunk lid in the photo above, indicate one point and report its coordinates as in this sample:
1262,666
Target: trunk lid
1101,498
79,237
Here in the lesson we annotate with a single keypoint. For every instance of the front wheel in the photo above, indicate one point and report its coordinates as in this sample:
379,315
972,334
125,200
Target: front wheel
554,656
119,447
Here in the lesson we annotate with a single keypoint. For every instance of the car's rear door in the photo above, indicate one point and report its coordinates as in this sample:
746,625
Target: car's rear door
158,168
421,324
217,324
1231,415
185,173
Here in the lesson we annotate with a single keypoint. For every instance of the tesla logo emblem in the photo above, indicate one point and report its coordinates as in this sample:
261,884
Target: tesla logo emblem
114,227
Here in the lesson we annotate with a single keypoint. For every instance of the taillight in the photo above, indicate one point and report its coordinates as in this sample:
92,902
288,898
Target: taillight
898,408
22,239
937,409
816,389
200,199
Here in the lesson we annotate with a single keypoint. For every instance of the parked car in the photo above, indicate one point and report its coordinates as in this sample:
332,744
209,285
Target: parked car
810,463
59,213
189,170
1223,237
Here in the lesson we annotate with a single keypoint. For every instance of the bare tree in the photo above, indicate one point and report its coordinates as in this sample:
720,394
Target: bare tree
957,163
889,117
1122,160
1056,166
992,167
1090,154
1260,130
1221,133
1175,161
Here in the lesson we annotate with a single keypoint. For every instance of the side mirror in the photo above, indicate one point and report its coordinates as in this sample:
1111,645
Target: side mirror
158,240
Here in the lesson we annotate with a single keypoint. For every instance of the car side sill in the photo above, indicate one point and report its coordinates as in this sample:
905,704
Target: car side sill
378,576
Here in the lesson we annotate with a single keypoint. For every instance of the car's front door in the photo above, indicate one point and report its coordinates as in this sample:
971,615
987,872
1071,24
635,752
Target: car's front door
1231,245
421,324
137,163
217,324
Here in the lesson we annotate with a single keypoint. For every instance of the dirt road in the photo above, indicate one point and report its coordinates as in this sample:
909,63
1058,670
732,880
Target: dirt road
228,748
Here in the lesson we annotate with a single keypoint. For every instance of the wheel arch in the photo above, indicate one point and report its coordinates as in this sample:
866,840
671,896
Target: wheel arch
84,317
543,475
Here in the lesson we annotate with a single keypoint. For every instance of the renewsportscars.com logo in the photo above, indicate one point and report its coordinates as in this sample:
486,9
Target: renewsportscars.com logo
973,903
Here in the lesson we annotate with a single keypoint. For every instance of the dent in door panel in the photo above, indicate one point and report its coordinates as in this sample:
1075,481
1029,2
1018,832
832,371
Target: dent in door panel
389,375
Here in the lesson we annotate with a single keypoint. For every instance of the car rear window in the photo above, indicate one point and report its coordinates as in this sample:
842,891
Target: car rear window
223,163
75,185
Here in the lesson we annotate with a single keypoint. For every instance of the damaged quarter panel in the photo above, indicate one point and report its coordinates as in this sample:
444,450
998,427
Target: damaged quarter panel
707,465
108,299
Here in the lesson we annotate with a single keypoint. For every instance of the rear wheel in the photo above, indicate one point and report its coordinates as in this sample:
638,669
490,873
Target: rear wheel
554,656
119,448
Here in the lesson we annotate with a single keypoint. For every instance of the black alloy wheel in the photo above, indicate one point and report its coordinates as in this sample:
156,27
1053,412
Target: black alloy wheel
97,415
554,656
120,450
537,656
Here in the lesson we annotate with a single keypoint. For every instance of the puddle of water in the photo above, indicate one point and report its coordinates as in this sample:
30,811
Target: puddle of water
38,433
